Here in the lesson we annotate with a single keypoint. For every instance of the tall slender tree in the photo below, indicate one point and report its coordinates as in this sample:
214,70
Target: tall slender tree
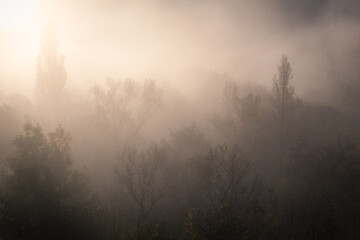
50,71
283,95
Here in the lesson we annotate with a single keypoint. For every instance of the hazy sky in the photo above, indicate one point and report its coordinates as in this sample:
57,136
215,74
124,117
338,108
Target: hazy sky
171,40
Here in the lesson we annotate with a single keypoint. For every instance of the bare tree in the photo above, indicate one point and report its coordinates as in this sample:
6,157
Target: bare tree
123,107
146,180
225,173
283,95
241,115
230,196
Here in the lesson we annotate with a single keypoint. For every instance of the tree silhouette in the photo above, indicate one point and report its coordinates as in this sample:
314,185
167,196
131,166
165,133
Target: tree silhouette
123,107
50,71
147,178
230,206
42,196
283,95
240,120
322,190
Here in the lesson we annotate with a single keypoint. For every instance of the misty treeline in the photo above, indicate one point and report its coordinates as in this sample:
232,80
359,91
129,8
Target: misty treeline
270,166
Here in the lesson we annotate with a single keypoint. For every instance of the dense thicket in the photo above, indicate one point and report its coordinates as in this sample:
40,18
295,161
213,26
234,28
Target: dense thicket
42,197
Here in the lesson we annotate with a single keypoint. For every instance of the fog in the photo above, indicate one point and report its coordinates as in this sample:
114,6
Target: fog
179,119
172,41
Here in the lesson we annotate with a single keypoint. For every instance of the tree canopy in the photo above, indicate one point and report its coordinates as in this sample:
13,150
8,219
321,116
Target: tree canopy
42,196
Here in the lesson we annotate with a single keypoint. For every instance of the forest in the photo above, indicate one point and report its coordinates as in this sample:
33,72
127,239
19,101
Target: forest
269,149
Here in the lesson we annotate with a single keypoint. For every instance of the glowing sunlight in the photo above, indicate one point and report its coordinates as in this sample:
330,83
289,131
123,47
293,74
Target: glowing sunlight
16,14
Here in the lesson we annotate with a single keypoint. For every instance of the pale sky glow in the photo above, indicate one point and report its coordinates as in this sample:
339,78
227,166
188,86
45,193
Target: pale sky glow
162,39
20,28
17,13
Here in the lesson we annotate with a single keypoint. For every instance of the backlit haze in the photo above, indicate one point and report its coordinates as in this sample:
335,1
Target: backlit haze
174,41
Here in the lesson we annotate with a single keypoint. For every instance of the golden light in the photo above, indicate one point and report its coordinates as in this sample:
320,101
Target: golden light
20,31
16,14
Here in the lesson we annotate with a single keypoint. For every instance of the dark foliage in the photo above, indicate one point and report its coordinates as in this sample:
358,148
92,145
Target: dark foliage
42,197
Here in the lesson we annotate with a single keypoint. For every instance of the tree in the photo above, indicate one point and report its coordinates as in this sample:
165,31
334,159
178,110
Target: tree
283,95
147,179
9,125
123,107
42,196
183,146
50,71
225,173
344,74
240,119
230,207
322,190
187,142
